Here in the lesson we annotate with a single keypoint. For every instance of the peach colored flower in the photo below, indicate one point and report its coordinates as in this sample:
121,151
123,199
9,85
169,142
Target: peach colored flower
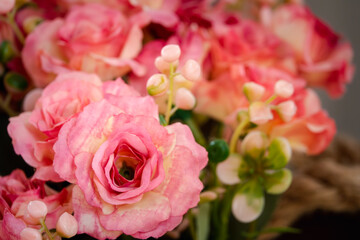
132,175
323,60
310,129
105,45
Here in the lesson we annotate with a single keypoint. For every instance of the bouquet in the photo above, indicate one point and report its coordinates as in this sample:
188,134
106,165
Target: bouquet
172,118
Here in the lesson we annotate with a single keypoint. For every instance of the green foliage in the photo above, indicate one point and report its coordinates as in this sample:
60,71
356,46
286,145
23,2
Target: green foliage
15,81
6,52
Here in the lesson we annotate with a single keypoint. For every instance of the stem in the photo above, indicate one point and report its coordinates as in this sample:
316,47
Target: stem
42,222
4,105
199,137
171,93
252,229
272,98
236,134
191,226
173,111
14,26
225,214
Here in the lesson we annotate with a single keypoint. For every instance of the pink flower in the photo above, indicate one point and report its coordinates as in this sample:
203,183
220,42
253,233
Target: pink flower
310,129
16,192
34,133
132,175
193,46
323,60
105,45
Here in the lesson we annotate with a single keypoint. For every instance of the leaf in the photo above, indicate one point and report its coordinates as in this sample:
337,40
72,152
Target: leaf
279,153
278,182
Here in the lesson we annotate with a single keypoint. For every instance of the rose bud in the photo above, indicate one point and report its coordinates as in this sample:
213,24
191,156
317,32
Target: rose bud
157,85
191,70
253,91
67,226
30,233
170,53
6,6
30,23
286,110
184,99
254,144
37,209
260,113
31,98
283,89
162,65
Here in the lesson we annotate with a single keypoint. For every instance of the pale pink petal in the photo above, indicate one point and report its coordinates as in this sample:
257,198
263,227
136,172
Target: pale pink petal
122,63
88,219
161,229
153,209
11,226
24,137
228,170
133,43
42,40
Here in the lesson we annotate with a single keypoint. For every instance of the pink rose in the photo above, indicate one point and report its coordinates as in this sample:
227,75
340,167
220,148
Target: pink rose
324,61
34,133
132,175
105,45
246,42
16,192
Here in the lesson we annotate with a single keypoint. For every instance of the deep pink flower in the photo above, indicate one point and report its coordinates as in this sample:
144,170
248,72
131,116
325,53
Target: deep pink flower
133,175
105,45
16,192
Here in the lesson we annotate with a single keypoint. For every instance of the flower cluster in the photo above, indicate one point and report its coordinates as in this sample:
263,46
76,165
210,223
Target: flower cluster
125,103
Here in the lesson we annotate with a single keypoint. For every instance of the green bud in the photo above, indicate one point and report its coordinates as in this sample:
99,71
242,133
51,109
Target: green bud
6,52
218,150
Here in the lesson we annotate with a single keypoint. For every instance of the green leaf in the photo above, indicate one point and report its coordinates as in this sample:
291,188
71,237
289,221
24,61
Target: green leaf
182,114
279,153
278,182
203,222
6,52
218,150
15,82
162,120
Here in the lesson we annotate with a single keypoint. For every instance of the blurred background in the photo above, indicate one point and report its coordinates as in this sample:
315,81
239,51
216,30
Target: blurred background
343,16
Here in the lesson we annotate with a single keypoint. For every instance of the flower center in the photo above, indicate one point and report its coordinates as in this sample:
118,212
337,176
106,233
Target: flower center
127,171
126,163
